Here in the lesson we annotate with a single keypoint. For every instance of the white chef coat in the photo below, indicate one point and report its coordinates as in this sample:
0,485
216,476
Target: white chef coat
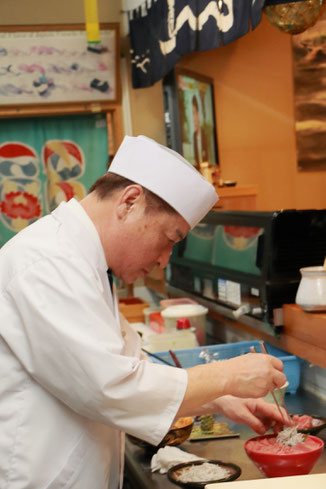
72,378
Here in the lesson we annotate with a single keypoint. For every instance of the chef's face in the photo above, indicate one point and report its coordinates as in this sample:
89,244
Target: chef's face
146,240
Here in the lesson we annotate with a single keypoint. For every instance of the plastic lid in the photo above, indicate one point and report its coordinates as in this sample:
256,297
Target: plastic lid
184,310
183,323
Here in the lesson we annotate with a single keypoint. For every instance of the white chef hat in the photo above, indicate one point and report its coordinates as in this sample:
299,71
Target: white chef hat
167,174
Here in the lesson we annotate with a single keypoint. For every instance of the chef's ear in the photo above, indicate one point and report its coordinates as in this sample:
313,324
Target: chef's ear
128,199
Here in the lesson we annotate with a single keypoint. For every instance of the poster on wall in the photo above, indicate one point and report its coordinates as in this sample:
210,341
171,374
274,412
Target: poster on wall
309,66
52,65
190,116
197,117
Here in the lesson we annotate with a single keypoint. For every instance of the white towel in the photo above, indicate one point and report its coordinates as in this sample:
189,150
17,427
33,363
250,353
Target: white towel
167,457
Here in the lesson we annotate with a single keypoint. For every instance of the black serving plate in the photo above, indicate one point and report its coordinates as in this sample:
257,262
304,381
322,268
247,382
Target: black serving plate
314,430
175,472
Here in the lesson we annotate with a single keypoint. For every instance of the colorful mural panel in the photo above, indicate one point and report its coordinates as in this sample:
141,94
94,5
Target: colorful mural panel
46,161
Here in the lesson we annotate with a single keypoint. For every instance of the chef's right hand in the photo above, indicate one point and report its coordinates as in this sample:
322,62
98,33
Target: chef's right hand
252,375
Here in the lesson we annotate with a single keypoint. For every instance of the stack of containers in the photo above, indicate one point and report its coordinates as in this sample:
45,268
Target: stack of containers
181,324
195,313
181,337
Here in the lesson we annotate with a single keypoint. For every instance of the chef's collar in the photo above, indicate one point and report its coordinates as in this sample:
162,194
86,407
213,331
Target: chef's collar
82,215
167,174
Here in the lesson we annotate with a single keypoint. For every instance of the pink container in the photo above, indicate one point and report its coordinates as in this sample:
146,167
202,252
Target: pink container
175,302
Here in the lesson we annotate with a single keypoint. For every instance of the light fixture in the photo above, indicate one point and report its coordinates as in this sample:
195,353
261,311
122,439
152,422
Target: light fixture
293,17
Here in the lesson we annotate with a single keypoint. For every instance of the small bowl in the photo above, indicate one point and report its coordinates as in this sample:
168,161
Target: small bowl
177,434
175,472
282,465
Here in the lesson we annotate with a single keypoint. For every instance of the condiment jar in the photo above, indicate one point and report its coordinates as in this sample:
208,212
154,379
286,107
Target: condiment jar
311,294
206,171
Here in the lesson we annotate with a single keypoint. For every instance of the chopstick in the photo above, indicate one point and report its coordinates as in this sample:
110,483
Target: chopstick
262,345
252,349
175,359
173,355
157,357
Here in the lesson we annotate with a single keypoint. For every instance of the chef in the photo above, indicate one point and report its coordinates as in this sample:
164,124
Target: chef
73,380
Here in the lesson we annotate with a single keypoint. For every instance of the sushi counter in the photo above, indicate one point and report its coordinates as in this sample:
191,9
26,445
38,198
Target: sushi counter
138,474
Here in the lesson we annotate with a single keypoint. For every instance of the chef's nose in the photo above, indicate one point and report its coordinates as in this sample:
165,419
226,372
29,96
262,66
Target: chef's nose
164,257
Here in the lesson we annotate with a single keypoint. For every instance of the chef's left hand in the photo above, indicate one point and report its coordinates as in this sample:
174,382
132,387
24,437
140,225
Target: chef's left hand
258,414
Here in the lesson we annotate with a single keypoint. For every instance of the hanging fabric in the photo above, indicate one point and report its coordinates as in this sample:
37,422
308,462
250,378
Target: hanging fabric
44,161
168,29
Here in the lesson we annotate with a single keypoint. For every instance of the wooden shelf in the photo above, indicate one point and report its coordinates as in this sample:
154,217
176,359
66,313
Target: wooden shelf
305,334
241,190
242,198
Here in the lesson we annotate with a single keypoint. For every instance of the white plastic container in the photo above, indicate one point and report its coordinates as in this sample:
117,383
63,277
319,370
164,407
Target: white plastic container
194,312
175,340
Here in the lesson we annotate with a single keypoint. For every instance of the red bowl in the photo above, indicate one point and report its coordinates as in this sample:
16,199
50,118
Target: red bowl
282,465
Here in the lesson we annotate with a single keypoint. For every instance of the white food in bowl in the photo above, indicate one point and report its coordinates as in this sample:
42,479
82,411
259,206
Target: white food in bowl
204,472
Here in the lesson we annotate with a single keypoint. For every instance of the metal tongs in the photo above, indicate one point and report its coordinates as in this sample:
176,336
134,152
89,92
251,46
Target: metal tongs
252,349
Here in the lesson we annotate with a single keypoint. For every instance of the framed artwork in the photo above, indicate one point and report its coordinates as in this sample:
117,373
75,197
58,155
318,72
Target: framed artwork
309,71
190,116
52,68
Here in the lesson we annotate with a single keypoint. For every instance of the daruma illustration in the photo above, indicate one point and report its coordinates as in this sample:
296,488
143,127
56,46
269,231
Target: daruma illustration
64,163
20,202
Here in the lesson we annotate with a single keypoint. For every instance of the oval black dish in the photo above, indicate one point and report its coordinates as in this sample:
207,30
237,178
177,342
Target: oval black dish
175,472
314,430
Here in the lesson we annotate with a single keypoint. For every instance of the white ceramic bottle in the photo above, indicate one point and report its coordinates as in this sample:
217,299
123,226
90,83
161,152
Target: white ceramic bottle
311,294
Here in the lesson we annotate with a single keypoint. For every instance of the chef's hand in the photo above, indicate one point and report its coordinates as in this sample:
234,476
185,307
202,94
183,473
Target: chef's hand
251,375
258,414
